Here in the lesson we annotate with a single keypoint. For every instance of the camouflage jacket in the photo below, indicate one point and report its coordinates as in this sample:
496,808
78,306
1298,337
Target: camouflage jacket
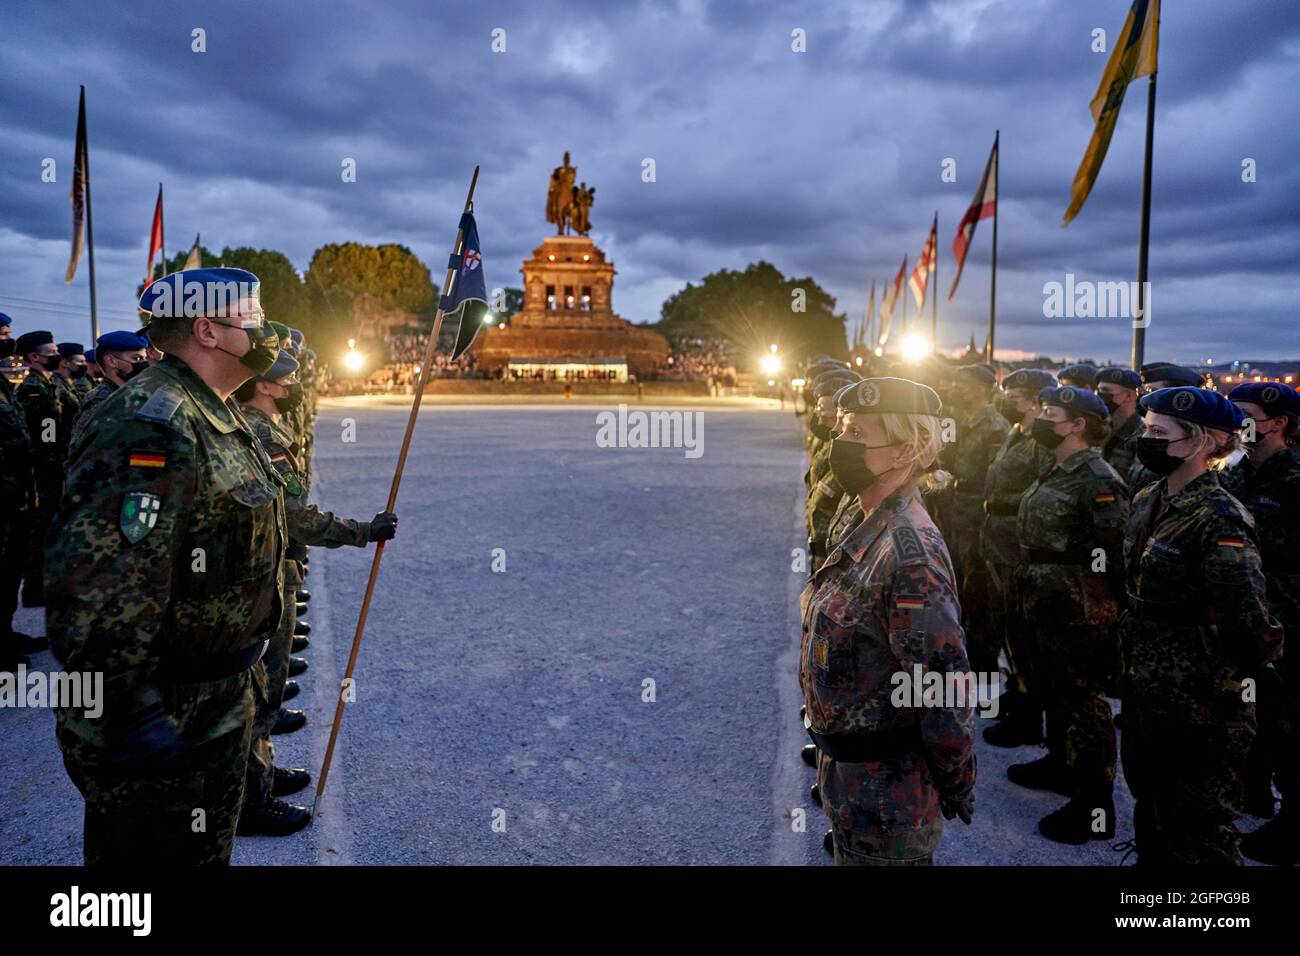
70,400
883,603
94,398
307,524
1271,493
1077,506
167,549
848,514
1204,624
1017,464
1120,449
42,402
15,449
979,439
823,501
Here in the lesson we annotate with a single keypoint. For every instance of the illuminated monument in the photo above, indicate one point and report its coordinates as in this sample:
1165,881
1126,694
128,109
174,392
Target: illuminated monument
567,328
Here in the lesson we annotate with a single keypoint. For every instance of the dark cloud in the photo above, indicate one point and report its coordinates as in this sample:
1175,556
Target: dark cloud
825,163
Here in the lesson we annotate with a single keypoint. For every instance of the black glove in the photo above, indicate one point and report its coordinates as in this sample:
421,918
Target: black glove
383,527
149,742
957,807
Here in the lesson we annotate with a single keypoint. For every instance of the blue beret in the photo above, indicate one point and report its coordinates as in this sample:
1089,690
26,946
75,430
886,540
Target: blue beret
1030,379
1174,374
886,396
1074,399
296,335
1123,377
980,372
1078,375
90,355
1273,398
121,342
284,365
828,383
209,293
69,349
5,320
1200,406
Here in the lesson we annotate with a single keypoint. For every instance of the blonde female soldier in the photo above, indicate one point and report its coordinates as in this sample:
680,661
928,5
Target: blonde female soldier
880,611
1197,627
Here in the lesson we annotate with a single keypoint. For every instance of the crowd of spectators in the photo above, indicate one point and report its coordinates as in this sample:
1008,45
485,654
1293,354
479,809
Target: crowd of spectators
700,360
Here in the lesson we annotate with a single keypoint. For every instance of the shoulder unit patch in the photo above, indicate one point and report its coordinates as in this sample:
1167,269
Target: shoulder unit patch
161,405
908,547
139,514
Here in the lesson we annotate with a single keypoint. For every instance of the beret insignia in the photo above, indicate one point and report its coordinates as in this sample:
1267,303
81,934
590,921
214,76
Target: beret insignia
1183,401
1066,396
869,394
1270,394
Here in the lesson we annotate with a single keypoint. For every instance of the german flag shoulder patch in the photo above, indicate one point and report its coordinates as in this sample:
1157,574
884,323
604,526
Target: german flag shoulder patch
1230,541
1105,498
909,602
148,459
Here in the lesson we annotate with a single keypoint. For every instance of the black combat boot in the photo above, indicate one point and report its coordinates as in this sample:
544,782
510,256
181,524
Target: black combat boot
1045,773
287,721
809,754
1090,816
273,818
1277,842
22,644
297,665
815,795
828,843
300,608
285,782
1023,727
299,645
291,690
301,628
303,595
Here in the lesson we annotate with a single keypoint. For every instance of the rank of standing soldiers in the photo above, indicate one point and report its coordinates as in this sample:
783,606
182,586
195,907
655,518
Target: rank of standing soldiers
162,518
1084,537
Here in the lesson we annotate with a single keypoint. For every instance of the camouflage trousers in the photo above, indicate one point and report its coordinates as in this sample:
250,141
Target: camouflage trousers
983,639
1187,783
142,818
1074,665
855,849
883,813
1007,625
275,667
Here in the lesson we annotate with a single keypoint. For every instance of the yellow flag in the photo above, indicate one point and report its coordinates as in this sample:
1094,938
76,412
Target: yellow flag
1134,55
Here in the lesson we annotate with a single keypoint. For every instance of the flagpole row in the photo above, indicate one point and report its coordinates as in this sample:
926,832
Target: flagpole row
90,226
429,349
993,281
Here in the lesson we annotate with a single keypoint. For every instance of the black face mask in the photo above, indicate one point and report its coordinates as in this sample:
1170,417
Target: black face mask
79,372
48,363
137,368
7,348
1044,432
820,431
291,401
264,348
1007,409
1111,405
849,468
1154,455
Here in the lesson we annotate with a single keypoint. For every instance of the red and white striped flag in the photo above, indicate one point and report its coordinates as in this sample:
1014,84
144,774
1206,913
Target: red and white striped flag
984,205
887,303
155,239
78,191
925,264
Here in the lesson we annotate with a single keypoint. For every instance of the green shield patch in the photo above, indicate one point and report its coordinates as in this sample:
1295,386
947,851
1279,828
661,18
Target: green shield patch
139,514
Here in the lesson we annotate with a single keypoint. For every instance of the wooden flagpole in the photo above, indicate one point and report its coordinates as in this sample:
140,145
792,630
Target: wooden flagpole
429,350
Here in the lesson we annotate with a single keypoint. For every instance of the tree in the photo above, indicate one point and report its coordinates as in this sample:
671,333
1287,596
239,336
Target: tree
345,279
754,309
283,295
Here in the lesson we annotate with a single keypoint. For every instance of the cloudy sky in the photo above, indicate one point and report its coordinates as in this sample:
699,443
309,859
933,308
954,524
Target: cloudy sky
826,162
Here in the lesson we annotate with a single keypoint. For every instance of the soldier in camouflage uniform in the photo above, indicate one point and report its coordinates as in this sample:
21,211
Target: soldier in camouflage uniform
825,492
266,401
164,576
1071,582
1155,376
1197,627
1118,388
1013,469
980,432
42,400
883,604
1267,482
16,507
121,357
